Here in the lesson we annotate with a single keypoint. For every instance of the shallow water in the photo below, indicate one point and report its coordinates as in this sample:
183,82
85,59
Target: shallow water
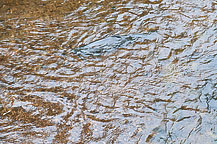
111,44
157,91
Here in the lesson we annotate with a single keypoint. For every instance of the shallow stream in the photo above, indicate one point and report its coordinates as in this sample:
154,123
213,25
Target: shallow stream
157,86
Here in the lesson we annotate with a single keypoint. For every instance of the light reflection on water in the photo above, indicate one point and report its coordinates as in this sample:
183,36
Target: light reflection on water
158,91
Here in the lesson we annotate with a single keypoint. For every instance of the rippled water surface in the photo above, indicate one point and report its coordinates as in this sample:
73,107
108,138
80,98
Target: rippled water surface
108,71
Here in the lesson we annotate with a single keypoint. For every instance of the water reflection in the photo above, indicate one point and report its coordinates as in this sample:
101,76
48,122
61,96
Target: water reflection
159,88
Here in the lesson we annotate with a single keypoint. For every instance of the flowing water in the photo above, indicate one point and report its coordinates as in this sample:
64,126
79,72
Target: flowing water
108,71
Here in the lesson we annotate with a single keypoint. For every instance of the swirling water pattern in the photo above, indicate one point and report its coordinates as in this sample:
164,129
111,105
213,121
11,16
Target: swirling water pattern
160,90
